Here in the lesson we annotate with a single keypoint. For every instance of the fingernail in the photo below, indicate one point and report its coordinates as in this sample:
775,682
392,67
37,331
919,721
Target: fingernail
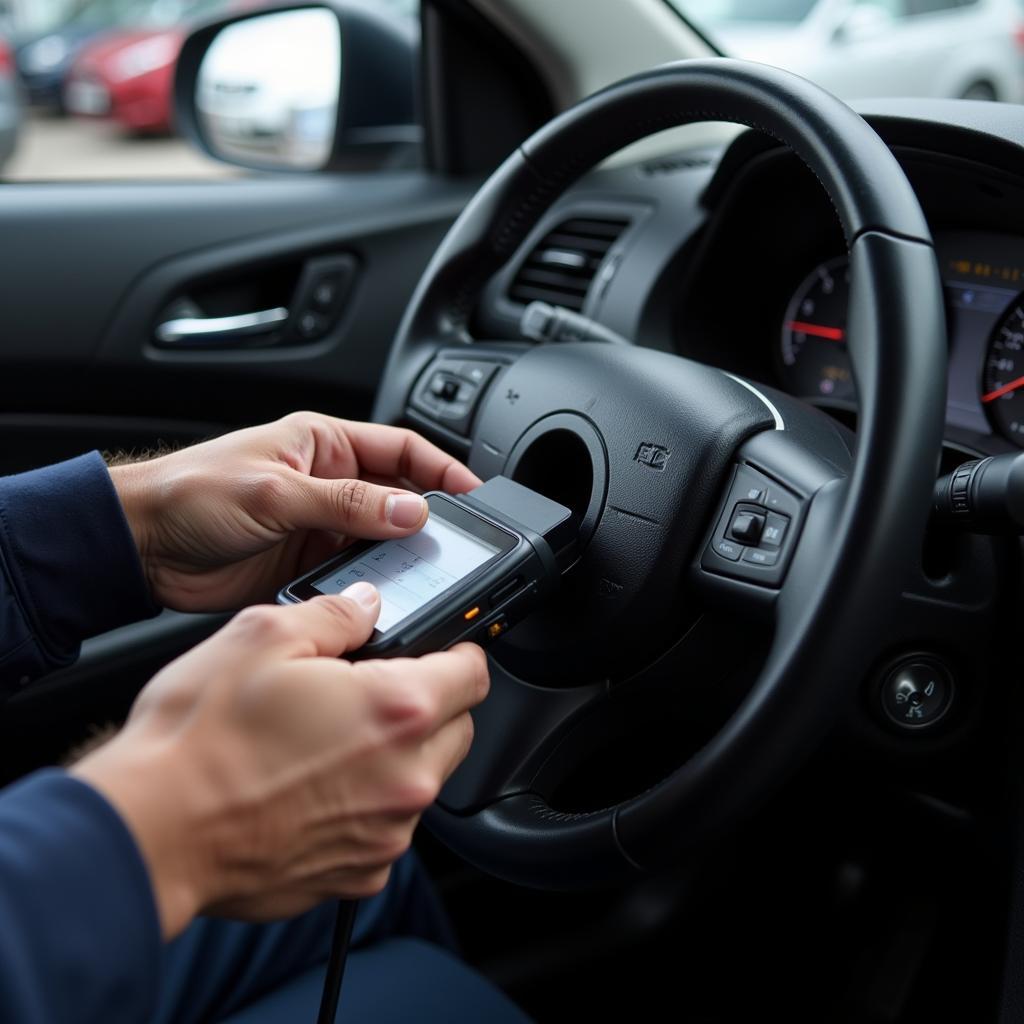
404,510
363,593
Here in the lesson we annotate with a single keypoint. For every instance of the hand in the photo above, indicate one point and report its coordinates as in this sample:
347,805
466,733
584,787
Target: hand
230,521
261,775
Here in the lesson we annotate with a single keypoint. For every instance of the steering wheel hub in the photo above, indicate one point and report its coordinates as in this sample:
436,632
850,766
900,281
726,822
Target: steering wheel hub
661,432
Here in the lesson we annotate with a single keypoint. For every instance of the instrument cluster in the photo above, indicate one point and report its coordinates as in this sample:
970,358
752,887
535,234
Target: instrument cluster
983,277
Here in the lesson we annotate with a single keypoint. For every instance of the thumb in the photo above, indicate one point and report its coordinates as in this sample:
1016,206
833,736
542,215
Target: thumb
323,627
353,507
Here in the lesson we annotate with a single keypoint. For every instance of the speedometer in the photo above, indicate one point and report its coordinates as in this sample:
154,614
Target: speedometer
1003,377
814,360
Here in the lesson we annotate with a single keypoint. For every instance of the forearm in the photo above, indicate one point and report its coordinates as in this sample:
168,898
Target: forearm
79,938
69,568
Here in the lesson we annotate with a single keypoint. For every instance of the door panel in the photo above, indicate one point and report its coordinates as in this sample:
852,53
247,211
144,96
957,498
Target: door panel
90,269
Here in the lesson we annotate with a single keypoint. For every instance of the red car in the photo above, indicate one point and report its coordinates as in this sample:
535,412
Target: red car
128,74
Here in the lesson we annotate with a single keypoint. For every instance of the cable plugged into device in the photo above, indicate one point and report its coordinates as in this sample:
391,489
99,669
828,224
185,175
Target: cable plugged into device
543,322
982,496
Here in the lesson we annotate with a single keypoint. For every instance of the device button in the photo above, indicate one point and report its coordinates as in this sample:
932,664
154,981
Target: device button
755,556
774,530
505,591
746,526
492,630
727,549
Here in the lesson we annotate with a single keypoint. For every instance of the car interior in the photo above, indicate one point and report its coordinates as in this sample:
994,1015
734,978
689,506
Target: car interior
760,752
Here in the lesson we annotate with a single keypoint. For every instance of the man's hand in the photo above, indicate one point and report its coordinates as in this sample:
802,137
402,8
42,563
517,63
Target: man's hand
232,520
261,775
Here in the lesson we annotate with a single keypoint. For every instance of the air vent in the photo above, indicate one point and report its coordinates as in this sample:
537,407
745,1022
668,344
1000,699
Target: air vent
561,268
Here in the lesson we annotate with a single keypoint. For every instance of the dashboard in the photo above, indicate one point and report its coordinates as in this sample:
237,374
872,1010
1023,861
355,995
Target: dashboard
983,279
735,258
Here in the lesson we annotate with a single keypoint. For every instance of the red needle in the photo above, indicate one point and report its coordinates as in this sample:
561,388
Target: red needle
818,330
1004,390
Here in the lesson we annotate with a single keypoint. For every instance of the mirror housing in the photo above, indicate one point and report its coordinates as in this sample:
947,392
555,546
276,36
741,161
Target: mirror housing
369,119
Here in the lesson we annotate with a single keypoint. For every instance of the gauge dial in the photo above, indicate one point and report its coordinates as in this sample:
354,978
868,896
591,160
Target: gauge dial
814,359
1002,389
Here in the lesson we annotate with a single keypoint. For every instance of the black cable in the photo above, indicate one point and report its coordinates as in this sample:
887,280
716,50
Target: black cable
343,922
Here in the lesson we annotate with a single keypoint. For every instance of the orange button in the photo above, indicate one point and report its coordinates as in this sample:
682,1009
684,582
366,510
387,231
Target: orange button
472,614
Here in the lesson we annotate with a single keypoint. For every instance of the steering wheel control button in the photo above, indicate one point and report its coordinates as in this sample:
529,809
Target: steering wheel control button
917,693
445,389
746,526
755,556
450,391
778,499
756,530
774,531
729,549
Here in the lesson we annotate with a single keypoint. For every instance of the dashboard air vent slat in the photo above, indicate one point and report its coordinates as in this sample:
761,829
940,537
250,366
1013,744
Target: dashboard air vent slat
561,267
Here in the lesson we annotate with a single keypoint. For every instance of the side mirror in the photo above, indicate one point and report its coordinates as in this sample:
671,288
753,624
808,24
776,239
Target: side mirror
304,87
862,21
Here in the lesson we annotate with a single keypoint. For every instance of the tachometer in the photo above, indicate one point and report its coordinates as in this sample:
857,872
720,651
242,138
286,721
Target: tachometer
814,360
1002,390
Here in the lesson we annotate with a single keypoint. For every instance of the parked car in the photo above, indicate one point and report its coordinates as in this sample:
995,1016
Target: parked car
43,60
945,48
128,74
10,103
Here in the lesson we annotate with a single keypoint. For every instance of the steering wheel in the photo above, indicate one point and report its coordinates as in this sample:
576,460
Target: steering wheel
660,456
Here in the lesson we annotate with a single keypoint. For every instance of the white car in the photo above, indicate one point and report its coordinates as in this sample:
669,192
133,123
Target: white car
858,48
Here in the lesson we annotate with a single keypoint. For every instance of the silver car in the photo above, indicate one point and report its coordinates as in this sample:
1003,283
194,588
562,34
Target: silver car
971,49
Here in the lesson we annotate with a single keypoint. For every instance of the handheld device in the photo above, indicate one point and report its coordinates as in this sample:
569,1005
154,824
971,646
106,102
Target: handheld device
480,564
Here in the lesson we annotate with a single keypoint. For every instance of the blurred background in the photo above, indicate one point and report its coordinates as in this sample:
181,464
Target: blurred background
85,85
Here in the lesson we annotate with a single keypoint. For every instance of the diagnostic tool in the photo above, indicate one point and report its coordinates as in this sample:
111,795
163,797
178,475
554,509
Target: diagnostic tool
481,563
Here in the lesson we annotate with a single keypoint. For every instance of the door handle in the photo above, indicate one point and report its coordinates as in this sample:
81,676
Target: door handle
213,330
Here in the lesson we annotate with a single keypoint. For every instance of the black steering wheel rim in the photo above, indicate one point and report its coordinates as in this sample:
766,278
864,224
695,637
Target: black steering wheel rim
869,517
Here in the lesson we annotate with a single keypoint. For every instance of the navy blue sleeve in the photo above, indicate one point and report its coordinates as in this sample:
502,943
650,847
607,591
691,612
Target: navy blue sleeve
79,933
69,568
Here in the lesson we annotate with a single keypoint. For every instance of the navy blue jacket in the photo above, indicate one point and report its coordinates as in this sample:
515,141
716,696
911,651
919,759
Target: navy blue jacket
79,935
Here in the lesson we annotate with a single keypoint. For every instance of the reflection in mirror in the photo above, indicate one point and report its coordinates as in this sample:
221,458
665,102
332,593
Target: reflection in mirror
267,90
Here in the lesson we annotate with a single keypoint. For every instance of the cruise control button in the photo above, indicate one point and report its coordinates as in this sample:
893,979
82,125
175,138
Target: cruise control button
727,549
746,527
757,557
774,530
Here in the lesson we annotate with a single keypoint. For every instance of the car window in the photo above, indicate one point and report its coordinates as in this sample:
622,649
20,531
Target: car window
857,49
86,87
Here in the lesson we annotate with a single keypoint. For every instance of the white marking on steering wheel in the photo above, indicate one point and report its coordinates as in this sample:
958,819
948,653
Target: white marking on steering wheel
776,415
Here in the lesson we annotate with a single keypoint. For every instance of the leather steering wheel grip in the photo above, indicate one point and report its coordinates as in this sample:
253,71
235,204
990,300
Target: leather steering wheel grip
874,519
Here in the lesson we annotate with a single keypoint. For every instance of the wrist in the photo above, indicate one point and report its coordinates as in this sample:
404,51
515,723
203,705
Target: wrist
134,490
151,794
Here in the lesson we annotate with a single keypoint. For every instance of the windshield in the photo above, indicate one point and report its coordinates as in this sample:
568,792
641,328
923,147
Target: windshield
857,49
711,12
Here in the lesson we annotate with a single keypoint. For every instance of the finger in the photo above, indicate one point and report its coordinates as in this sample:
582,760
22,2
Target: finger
420,695
352,507
391,453
325,626
448,747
